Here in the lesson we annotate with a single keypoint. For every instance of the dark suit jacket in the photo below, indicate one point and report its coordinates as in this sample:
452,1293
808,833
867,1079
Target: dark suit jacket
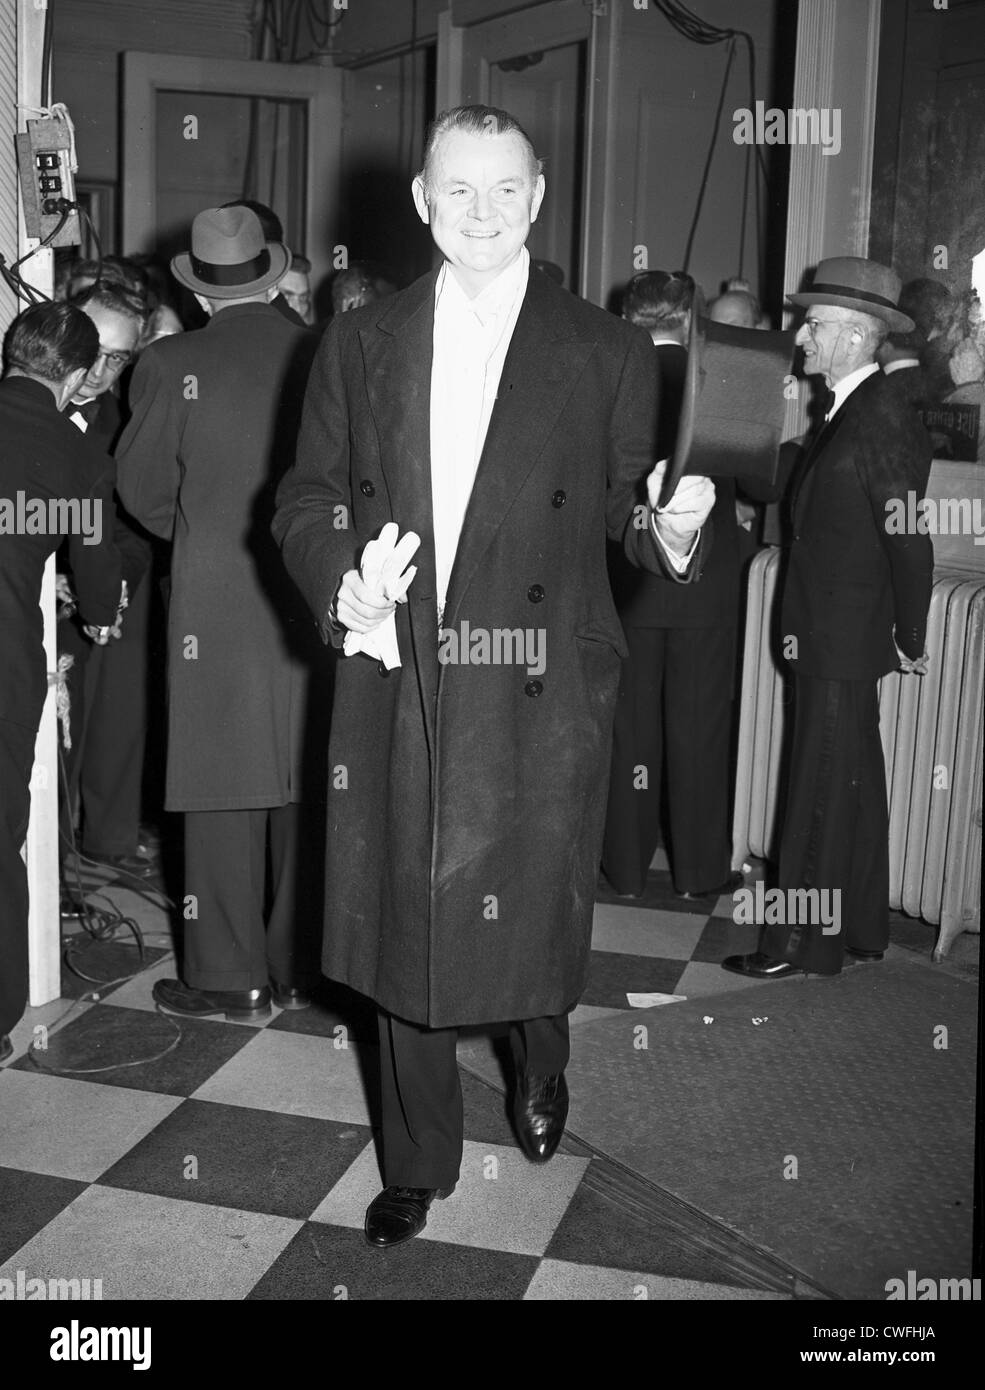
214,422
849,579
912,382
464,838
43,456
132,542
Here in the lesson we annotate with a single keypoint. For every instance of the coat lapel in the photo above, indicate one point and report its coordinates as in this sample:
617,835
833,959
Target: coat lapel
543,364
824,436
397,357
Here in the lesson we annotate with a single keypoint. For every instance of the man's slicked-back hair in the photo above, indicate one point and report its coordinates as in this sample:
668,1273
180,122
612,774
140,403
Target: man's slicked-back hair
51,341
105,294
656,299
476,120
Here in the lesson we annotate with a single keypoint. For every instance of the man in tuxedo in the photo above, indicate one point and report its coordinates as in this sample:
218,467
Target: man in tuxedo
213,426
855,600
63,480
108,685
506,425
674,715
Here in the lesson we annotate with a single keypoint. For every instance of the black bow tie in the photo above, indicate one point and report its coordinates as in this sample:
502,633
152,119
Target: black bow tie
87,409
827,400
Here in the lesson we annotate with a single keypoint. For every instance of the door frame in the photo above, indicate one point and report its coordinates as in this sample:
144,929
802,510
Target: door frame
464,77
320,88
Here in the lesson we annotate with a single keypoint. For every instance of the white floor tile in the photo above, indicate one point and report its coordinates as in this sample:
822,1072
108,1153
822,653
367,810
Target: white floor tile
72,1129
502,1202
144,1246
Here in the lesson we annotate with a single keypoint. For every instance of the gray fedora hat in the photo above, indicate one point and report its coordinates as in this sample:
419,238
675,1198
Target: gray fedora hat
229,258
855,283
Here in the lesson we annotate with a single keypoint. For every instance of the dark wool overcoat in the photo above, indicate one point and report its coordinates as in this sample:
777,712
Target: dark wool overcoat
214,425
467,799
852,578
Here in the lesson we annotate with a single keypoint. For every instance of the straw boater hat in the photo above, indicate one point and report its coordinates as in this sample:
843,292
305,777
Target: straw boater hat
229,258
855,283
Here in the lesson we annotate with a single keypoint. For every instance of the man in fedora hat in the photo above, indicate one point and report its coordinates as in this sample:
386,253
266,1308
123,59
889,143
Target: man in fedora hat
212,429
505,424
854,608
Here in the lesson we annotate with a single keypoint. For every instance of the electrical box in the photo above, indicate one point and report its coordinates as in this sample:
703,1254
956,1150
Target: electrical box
47,181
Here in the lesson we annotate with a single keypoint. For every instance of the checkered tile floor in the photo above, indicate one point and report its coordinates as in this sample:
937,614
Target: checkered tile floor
178,1159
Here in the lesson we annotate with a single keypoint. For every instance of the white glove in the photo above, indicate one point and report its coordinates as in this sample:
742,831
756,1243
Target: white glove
384,569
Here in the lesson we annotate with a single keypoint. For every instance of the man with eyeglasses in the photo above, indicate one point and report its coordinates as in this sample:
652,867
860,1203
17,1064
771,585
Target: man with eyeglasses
107,685
855,599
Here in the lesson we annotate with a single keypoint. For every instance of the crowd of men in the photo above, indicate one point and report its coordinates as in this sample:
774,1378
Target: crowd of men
465,456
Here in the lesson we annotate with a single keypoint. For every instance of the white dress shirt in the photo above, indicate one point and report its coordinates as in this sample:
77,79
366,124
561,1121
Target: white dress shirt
471,340
847,385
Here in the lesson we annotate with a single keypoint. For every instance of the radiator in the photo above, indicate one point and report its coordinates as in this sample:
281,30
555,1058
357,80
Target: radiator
932,740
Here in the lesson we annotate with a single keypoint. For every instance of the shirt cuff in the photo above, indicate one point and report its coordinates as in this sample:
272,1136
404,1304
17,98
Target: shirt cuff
679,563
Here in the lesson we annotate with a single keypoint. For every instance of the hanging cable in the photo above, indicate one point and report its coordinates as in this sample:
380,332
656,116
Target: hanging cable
46,55
697,30
708,159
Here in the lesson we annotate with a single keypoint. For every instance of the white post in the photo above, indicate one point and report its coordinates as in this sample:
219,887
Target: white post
44,922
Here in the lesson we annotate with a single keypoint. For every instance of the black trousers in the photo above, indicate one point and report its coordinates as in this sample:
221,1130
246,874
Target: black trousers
231,942
422,1095
16,761
108,691
835,832
673,718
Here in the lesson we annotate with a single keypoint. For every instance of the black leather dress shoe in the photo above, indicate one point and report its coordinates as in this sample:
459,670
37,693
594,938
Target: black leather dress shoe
128,865
761,966
288,997
540,1108
243,1005
735,880
864,955
6,1048
400,1213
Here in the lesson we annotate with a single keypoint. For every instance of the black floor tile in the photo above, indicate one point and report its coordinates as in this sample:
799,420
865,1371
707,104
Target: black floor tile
334,1262
722,937
659,893
486,1118
114,1046
28,1201
597,1231
253,1160
109,964
612,975
333,1006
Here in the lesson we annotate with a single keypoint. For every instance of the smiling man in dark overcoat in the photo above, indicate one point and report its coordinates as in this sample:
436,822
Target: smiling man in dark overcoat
510,426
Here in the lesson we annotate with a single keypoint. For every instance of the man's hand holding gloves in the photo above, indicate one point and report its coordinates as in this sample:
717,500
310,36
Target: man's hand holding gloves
367,598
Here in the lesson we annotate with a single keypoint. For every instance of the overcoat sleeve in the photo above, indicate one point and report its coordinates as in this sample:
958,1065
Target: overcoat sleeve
313,520
893,459
632,442
148,473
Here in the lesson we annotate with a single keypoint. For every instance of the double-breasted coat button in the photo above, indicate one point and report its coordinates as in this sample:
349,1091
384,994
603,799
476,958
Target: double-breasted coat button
559,498
367,489
533,689
535,593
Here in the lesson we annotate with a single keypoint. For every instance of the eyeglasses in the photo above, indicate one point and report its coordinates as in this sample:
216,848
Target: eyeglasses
116,360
